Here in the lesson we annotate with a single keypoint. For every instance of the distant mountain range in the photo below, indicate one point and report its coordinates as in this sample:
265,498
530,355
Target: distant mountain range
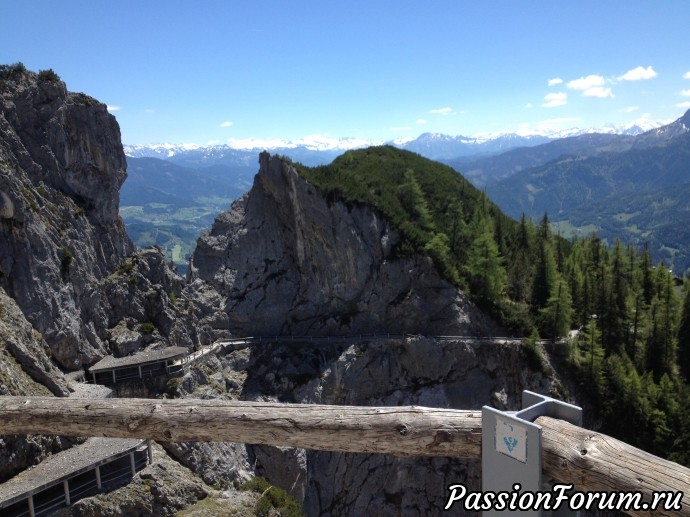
174,191
317,150
631,188
488,170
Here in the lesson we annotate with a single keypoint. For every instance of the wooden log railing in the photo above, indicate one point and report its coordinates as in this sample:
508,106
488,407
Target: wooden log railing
589,460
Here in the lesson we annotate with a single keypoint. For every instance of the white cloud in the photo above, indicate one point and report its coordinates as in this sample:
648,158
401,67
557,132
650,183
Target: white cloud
421,121
591,86
442,111
555,99
585,83
630,109
114,108
686,75
685,104
149,110
638,74
529,105
227,123
685,93
598,91
555,81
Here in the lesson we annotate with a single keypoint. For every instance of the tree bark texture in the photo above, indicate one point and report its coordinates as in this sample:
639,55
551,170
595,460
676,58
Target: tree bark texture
596,462
400,431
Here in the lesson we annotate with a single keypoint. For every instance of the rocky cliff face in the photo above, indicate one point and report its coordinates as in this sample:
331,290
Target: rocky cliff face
288,261
282,260
64,253
25,369
71,287
61,167
415,371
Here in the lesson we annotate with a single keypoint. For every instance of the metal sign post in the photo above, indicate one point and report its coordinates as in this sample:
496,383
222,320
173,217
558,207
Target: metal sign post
511,448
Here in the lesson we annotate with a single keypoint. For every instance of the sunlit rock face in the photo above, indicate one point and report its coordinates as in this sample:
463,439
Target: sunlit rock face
61,167
287,260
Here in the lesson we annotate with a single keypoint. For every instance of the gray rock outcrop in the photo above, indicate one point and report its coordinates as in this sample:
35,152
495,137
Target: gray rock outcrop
61,167
25,369
416,371
65,257
20,342
289,261
163,488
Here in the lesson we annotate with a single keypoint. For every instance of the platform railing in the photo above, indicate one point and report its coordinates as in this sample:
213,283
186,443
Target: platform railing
588,460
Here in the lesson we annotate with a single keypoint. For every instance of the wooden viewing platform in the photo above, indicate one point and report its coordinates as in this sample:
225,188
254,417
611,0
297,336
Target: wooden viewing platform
590,461
147,363
67,476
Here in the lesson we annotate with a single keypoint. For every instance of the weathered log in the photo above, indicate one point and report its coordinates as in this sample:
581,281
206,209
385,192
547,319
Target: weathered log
589,460
594,462
400,431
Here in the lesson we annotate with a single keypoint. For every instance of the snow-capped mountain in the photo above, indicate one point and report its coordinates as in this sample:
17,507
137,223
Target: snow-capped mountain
311,150
444,147
162,151
317,149
310,142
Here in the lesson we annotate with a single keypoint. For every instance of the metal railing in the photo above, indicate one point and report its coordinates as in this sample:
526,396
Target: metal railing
222,344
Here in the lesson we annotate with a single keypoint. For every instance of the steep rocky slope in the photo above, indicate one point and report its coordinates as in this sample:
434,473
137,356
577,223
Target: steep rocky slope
25,369
286,260
61,165
64,245
72,286
283,260
416,371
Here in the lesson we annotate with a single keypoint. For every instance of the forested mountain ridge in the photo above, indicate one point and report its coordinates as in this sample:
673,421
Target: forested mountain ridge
492,169
571,181
658,219
488,170
631,353
436,211
635,194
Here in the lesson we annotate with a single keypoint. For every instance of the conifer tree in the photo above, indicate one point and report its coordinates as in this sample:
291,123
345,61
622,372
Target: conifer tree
647,280
521,265
576,280
684,334
556,316
413,200
592,355
484,263
458,234
616,313
544,277
662,334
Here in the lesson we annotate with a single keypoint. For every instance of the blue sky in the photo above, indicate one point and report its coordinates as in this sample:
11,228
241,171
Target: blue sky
212,71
